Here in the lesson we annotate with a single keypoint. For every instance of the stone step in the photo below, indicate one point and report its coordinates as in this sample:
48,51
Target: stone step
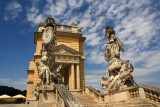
88,101
85,99
133,103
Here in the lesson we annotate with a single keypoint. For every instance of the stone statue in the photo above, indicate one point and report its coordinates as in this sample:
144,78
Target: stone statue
118,72
36,91
47,72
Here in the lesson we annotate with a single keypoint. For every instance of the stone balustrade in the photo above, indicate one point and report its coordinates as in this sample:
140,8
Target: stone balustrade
98,97
64,28
145,92
134,92
151,93
71,29
137,91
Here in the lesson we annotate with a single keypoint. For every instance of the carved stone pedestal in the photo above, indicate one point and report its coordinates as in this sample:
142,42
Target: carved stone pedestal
32,102
117,97
48,98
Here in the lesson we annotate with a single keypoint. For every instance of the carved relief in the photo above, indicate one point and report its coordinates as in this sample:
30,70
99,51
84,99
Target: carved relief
62,51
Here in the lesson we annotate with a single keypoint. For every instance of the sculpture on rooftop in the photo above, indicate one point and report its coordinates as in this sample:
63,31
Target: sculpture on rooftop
118,72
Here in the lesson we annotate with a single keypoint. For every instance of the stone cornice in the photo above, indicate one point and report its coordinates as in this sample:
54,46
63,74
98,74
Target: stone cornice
83,39
39,34
30,70
29,82
67,49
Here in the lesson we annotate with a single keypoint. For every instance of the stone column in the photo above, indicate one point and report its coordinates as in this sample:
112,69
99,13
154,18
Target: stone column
72,76
78,76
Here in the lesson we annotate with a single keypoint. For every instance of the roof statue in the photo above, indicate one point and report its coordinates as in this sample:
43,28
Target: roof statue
118,72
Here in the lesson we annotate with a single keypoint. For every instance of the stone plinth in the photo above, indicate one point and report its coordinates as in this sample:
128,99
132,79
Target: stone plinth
32,103
48,98
116,97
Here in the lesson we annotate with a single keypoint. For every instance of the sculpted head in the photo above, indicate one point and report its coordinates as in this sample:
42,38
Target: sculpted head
44,58
49,22
109,34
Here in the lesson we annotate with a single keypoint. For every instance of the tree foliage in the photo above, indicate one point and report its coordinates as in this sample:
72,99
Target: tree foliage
11,91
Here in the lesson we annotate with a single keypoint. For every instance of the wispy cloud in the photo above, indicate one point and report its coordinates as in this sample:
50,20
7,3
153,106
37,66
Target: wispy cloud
21,83
136,24
93,80
155,82
34,16
12,10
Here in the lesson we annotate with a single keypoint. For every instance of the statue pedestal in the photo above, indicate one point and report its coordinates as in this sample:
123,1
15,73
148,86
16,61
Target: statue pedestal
48,98
33,102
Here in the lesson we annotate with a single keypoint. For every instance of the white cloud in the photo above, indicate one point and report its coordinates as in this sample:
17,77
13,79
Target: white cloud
93,80
10,81
21,84
34,16
52,9
98,24
92,39
96,56
155,82
12,10
150,64
135,23
75,3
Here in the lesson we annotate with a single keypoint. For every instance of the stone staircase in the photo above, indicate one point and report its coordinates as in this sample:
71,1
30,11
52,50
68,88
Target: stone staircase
88,101
85,99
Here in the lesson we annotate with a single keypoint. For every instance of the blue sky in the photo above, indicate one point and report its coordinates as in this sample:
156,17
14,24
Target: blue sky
136,22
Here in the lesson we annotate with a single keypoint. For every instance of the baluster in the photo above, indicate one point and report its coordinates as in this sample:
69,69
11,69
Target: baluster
147,94
156,97
131,93
137,92
134,93
152,95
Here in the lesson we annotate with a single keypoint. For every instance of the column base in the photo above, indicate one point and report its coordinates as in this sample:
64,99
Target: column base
76,91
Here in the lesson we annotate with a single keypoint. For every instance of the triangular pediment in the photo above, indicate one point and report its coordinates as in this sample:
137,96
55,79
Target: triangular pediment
63,49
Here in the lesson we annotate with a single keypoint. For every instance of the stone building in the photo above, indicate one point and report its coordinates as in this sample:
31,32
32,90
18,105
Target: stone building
68,51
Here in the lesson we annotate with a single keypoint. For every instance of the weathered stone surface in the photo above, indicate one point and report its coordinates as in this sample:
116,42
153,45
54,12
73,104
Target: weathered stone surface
47,72
118,72
67,97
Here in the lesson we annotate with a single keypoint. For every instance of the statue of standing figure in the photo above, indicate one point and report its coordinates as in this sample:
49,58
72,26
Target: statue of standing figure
118,72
